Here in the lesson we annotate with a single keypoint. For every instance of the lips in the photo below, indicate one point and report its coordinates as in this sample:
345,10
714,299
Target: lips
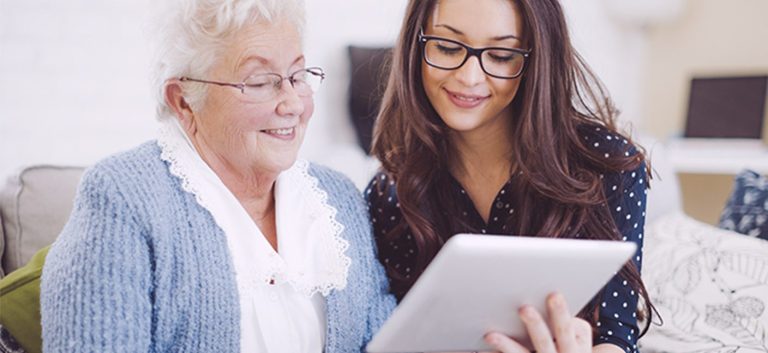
463,100
282,133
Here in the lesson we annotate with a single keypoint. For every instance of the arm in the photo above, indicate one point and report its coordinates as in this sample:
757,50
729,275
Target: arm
397,255
618,303
95,289
382,302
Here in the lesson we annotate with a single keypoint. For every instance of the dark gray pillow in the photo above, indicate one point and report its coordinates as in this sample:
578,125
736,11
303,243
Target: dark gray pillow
747,210
369,70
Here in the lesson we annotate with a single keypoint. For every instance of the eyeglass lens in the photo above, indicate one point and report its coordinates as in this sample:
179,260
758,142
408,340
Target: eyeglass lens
267,86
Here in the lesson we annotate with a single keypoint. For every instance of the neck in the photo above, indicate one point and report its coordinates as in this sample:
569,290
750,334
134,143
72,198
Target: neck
253,188
482,155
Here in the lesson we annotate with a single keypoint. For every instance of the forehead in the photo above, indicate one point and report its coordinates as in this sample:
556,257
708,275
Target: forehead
270,44
478,18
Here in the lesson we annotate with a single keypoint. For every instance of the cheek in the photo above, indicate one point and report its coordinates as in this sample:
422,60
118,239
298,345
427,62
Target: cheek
243,119
309,108
250,116
431,79
508,89
430,76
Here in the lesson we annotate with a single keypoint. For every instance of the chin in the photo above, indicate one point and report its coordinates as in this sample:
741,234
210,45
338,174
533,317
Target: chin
279,165
463,127
460,123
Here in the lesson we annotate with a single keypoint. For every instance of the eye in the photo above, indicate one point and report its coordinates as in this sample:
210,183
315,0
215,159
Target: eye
300,76
260,81
448,48
502,56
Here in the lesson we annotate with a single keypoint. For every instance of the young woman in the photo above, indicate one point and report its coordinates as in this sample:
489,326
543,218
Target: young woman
492,123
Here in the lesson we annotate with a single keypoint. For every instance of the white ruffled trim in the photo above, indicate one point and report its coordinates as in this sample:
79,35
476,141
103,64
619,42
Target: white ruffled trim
170,145
330,267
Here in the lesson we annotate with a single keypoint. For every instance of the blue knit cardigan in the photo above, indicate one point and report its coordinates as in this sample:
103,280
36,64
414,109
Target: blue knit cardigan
141,267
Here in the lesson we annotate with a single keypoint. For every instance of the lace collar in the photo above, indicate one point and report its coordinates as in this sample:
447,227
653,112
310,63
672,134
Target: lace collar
311,249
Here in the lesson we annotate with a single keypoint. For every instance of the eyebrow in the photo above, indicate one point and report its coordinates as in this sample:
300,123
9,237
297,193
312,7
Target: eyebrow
498,38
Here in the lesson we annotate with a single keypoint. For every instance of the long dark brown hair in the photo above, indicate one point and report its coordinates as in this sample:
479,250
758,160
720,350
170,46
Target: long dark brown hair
558,177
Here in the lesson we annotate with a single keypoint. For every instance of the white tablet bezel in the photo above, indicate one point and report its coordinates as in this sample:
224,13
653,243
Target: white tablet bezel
476,283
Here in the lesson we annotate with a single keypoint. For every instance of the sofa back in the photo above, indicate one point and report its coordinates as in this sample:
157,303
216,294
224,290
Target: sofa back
35,204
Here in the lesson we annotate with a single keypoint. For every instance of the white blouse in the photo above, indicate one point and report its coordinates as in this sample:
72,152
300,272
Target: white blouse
282,308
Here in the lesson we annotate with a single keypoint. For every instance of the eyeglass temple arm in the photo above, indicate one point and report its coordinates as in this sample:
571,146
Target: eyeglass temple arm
240,86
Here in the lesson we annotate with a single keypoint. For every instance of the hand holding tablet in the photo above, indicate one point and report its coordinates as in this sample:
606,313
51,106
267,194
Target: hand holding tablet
564,334
478,284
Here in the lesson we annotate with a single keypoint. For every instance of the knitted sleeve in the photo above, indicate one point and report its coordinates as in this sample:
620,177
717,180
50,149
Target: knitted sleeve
371,283
382,302
96,284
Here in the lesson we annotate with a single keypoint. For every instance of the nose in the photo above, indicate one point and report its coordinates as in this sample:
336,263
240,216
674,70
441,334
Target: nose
289,102
471,73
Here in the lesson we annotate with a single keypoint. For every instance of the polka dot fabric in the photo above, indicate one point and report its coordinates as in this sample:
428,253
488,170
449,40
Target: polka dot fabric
626,197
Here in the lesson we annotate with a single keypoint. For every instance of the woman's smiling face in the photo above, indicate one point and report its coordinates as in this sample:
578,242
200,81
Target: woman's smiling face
263,136
467,99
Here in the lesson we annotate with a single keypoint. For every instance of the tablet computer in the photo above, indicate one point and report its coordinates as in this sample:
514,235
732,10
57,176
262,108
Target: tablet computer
476,284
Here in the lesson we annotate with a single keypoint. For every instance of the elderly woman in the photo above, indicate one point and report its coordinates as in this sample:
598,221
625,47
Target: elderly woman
214,238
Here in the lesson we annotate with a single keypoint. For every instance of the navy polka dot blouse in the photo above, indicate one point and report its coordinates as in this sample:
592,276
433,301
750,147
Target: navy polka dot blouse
626,196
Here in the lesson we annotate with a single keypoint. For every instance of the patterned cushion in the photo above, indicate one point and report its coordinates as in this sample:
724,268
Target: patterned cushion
7,343
709,285
747,209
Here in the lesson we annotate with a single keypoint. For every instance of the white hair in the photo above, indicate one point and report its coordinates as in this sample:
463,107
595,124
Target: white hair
191,34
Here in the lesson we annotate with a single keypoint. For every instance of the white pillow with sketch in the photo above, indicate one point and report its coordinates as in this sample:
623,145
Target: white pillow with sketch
709,285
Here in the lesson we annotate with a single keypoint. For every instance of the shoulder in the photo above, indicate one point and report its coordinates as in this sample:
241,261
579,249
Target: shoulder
331,180
606,142
383,203
141,162
128,176
341,192
617,148
381,190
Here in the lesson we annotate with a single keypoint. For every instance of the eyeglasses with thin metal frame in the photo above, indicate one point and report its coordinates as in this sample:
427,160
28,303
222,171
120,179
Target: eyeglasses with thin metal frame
505,56
263,87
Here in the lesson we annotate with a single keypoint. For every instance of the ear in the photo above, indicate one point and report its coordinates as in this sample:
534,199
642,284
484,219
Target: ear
174,98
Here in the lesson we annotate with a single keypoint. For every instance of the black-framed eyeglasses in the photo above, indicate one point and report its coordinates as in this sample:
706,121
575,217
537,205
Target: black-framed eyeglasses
449,54
264,87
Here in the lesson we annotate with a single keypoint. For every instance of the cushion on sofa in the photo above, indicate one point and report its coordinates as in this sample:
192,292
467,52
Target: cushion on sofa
747,209
20,300
2,246
664,196
709,285
369,70
34,206
8,344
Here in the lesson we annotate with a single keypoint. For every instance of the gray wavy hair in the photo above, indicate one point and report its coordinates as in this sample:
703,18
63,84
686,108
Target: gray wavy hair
191,33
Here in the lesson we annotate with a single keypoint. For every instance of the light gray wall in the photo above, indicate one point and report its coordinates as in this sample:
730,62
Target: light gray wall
74,75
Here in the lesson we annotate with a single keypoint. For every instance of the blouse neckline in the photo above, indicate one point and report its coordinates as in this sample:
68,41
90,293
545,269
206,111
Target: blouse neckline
311,248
